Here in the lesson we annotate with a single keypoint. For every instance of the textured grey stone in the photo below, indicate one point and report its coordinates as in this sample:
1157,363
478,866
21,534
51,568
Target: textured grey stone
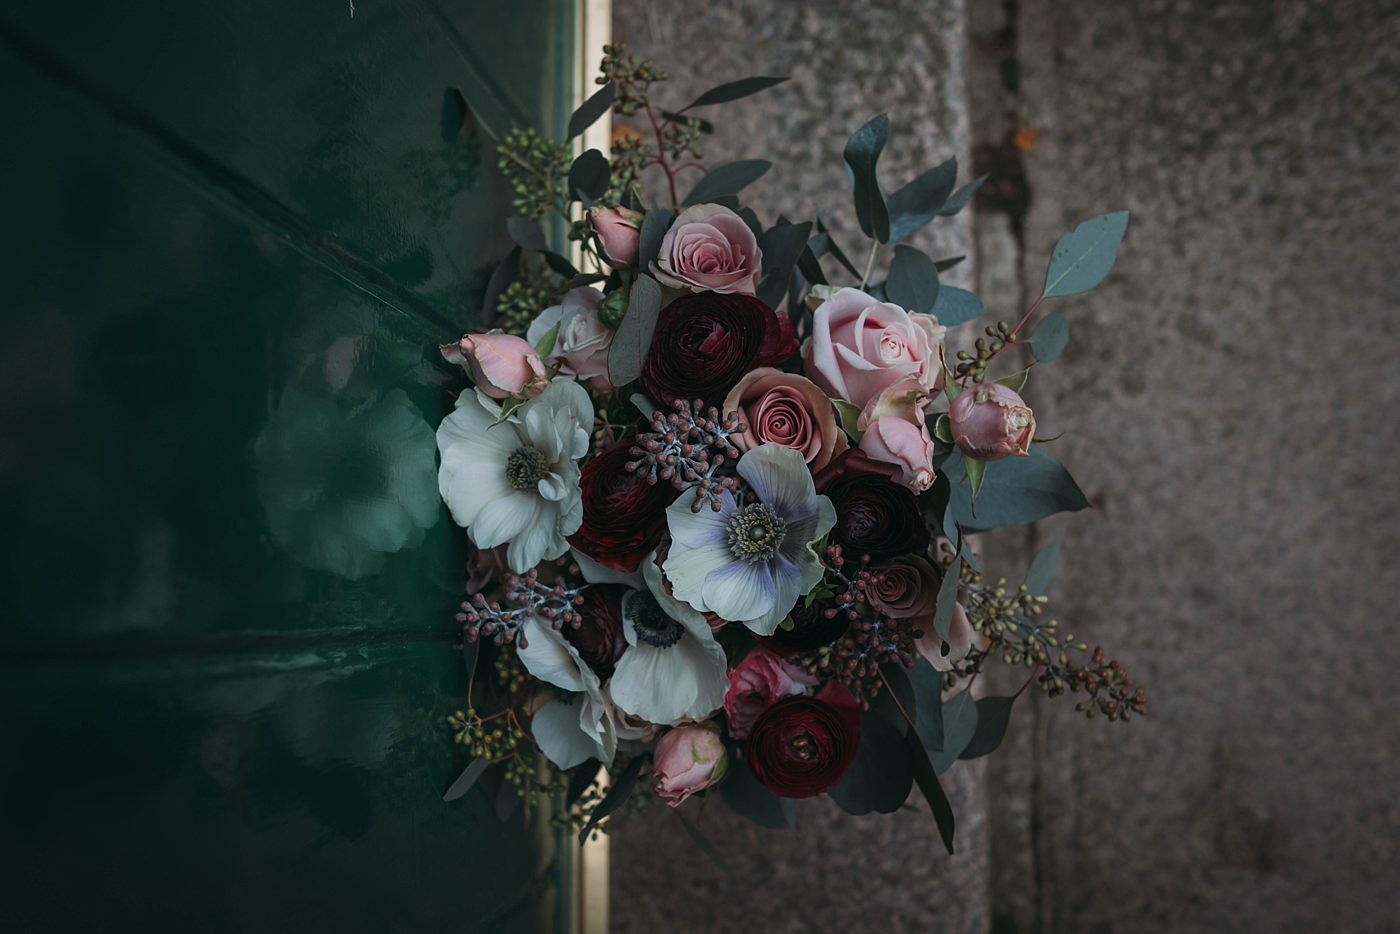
835,872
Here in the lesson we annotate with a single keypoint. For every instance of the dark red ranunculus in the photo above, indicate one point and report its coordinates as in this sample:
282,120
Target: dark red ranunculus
875,514
802,745
598,636
811,628
624,516
705,342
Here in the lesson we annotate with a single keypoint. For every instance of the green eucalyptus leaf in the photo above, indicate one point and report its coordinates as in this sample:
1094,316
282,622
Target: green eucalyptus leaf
959,726
590,110
464,782
993,716
750,219
943,265
782,246
526,233
976,473
502,277
880,777
733,90
1016,381
957,306
560,265
632,339
1043,570
616,797
580,780
727,179
704,126
747,796
810,266
897,699
1050,337
849,416
862,154
959,199
1084,256
1015,491
589,176
948,595
913,280
917,202
927,683
831,246
655,223
927,779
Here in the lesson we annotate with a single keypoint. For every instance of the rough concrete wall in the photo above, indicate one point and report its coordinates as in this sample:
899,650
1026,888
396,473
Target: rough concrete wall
1228,400
906,57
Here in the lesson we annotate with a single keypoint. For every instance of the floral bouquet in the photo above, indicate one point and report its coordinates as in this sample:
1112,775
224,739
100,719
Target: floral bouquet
721,507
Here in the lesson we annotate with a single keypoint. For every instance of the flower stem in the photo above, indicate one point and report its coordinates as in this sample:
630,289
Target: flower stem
869,263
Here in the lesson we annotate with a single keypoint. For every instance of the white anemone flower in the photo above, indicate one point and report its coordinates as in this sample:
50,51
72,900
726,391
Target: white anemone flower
672,669
517,481
574,726
750,563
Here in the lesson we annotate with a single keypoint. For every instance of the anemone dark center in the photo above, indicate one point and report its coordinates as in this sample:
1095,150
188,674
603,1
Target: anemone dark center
525,467
756,532
649,621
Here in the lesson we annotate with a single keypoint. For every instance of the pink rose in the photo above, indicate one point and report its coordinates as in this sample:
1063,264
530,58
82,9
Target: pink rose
787,409
618,230
962,639
500,364
688,759
762,678
990,421
904,587
895,433
860,347
581,348
709,248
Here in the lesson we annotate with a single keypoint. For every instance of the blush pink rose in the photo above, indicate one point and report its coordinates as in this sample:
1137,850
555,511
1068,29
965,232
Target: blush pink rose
787,409
581,347
762,678
990,421
860,347
618,230
501,365
896,433
711,249
688,760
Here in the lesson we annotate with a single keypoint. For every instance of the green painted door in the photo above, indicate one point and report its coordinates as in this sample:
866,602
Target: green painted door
233,234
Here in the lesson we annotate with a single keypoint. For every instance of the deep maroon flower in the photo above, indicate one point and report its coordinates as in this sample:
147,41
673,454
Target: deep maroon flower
624,516
876,515
598,637
705,342
802,745
811,628
903,587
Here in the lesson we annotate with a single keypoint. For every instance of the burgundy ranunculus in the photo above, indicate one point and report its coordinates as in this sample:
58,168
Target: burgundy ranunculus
903,587
876,515
598,637
811,629
624,516
802,745
705,342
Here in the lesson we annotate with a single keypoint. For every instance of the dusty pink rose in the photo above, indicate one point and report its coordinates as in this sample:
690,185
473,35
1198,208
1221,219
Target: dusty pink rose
787,409
896,433
500,364
762,678
860,347
711,249
688,759
962,639
903,587
581,348
618,230
990,421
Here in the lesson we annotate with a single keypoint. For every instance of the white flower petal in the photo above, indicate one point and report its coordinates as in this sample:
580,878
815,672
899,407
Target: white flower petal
596,573
686,681
548,656
780,477
740,590
500,520
682,613
542,540
687,568
697,529
558,729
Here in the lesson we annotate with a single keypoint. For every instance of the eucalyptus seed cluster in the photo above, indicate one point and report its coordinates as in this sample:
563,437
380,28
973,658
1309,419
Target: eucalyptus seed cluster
974,366
521,301
1110,691
525,598
537,170
632,79
691,449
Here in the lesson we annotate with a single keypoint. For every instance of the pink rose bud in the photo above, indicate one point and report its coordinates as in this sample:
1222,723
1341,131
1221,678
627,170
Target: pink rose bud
688,759
991,421
617,230
500,364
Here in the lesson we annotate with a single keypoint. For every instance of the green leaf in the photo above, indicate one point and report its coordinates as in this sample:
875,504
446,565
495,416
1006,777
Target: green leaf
545,346
782,246
655,223
632,339
526,233
913,280
503,276
622,785
1016,381
937,799
976,473
589,176
849,416
810,266
733,90
1050,337
943,265
943,428
1043,570
750,220
897,699
947,596
829,245
956,306
917,203
747,796
590,110
1015,491
959,726
1084,256
959,199
927,683
727,179
993,716
474,770
880,777
559,264
454,114
862,153
508,801
580,780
